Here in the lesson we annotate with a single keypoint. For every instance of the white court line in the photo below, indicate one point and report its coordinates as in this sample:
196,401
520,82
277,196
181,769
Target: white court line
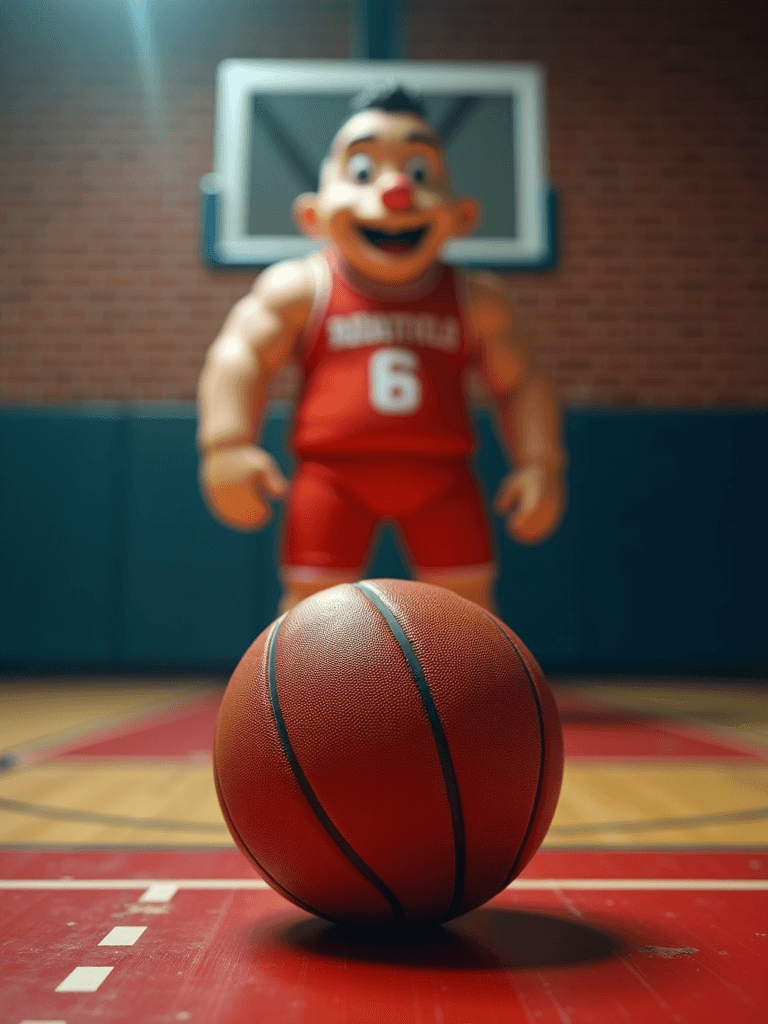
645,884
84,979
123,936
528,884
42,1022
159,892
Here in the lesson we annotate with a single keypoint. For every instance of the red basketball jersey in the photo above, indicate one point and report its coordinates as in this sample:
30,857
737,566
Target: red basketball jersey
384,376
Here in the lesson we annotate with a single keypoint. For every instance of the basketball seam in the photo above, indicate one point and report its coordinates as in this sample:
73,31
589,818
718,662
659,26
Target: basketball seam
238,835
309,794
279,887
542,755
441,744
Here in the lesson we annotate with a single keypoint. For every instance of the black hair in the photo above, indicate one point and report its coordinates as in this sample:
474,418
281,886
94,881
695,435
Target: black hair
387,96
390,97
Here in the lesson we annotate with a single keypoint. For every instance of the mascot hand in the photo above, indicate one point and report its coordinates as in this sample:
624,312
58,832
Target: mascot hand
237,483
533,501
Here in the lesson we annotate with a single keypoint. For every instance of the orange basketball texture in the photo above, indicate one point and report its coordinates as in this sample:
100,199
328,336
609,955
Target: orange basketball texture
388,752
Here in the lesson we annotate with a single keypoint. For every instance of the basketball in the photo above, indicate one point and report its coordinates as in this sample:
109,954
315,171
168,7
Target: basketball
388,752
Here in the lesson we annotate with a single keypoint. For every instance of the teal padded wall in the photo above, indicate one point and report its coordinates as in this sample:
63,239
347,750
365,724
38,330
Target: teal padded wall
193,591
109,559
677,537
60,539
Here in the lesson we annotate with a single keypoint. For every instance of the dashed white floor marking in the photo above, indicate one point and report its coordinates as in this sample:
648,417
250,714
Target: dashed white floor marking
84,979
159,892
122,936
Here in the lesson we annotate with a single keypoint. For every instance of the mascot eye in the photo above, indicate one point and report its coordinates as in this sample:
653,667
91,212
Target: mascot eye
360,168
419,170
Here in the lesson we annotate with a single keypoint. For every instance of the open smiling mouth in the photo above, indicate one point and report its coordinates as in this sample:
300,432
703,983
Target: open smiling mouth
395,241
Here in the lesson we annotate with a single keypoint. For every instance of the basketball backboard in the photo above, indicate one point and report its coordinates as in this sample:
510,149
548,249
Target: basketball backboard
275,120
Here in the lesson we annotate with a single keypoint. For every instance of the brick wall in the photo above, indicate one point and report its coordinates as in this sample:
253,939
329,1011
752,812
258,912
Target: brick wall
658,146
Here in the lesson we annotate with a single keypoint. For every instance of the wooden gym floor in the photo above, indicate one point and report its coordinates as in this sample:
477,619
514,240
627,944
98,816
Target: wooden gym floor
124,900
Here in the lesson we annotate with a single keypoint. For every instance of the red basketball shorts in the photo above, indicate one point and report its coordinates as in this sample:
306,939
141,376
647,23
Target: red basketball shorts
335,506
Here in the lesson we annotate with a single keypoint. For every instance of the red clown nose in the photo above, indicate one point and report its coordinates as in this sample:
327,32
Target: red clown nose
398,198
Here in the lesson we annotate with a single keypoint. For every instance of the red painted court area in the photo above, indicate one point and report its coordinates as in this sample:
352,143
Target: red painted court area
223,949
588,732
158,936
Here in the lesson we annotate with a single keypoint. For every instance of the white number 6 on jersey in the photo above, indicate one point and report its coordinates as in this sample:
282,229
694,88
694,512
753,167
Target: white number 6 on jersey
393,386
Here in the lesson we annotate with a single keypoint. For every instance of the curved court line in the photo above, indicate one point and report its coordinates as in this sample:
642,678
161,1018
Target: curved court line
92,817
718,818
96,818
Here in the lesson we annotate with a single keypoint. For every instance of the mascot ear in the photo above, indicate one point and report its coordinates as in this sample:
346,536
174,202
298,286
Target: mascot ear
305,215
467,215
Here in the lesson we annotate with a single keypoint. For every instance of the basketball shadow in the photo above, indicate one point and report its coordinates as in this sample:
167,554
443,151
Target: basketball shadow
486,939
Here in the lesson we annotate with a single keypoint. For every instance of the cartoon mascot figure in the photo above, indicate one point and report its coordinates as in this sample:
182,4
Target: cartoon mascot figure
384,333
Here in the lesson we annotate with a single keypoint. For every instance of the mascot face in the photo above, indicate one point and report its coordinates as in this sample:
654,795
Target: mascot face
385,203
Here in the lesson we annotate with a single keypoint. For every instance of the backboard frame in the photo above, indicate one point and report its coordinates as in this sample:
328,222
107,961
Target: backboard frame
225,239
